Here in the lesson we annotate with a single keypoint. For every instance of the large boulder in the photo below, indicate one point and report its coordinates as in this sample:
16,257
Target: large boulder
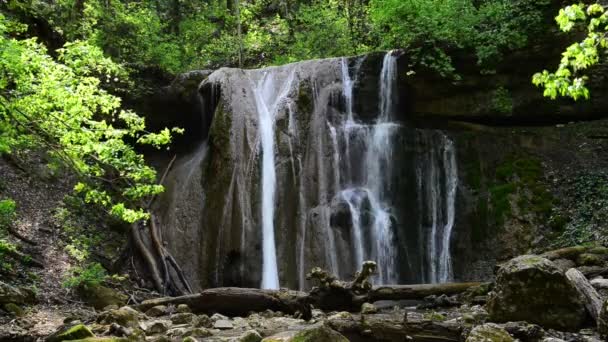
15,295
602,321
99,296
531,288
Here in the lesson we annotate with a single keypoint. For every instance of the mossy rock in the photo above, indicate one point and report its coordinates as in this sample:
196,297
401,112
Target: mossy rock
99,296
76,332
588,259
14,309
531,288
315,333
125,316
489,333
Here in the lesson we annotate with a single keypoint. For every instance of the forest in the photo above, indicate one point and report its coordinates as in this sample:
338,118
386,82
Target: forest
303,170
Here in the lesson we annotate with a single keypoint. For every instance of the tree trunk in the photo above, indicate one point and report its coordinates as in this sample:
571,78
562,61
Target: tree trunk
234,301
590,297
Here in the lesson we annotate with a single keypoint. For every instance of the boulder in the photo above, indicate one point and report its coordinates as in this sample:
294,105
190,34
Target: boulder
250,336
99,296
223,324
531,288
157,327
76,332
157,311
125,316
182,318
368,308
489,332
313,333
183,308
15,295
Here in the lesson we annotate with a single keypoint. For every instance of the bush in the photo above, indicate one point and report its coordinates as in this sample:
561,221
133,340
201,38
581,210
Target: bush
93,274
7,214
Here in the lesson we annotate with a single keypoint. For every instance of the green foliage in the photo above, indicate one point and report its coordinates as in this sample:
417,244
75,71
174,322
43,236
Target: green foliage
569,79
502,102
59,105
8,214
431,28
585,219
93,274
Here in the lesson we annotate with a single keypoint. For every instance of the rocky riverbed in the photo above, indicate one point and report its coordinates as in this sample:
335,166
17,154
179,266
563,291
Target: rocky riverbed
531,299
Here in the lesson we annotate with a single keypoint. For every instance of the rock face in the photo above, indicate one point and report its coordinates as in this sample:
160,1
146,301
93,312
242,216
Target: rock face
531,288
442,186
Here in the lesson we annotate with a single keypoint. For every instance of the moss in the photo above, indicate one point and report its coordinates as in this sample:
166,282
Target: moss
321,333
522,175
434,316
77,332
14,309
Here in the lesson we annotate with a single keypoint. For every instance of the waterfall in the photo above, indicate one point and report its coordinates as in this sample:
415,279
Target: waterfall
372,232
267,102
437,182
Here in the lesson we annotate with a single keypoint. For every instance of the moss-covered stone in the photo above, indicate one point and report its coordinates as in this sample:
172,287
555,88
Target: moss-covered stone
531,288
588,259
99,296
14,309
314,333
489,333
76,332
125,316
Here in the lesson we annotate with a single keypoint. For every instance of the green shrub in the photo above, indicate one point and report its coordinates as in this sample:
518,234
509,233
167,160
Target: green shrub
93,274
7,214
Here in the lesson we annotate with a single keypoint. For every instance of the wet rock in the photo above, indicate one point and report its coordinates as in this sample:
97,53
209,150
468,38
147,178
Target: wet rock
99,296
531,288
564,264
182,318
125,316
202,321
197,332
489,332
183,308
250,336
525,331
156,311
76,332
443,301
314,333
368,308
157,327
223,324
216,317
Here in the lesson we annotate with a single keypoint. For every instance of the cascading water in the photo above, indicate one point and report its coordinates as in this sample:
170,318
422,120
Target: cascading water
301,172
437,180
372,235
267,102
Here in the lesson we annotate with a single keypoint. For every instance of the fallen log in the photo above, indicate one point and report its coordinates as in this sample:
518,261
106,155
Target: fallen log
331,295
407,292
390,328
589,296
232,301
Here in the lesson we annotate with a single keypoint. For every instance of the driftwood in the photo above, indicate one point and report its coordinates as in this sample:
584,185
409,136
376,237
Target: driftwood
590,297
234,301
